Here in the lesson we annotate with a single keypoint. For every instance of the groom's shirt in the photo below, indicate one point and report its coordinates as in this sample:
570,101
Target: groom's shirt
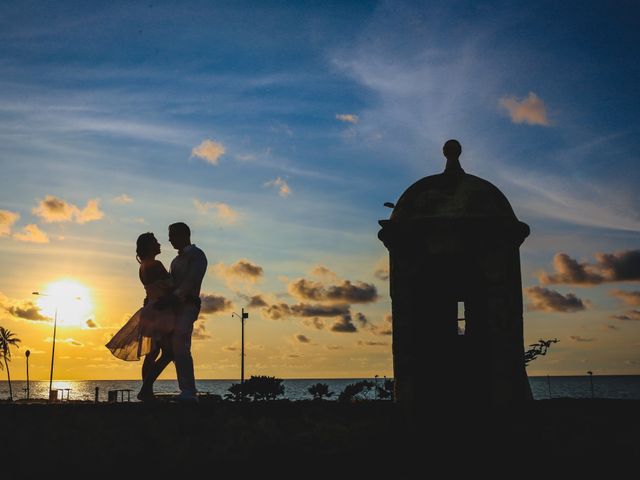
187,271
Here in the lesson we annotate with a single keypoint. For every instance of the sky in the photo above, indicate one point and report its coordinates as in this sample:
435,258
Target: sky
277,130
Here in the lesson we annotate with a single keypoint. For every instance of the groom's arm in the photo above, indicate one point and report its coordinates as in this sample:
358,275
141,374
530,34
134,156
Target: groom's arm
190,287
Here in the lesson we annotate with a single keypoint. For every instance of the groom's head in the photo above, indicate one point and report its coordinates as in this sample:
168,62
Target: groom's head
179,235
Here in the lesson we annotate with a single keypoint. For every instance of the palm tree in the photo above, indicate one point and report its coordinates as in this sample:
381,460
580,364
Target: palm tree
7,339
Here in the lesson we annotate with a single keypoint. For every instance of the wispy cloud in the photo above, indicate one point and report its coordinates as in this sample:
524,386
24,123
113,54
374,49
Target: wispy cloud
283,187
209,151
123,199
530,110
31,234
348,117
628,297
223,211
7,219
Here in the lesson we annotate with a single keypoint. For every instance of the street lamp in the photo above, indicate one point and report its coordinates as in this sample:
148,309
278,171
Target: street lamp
590,373
242,318
26,354
53,348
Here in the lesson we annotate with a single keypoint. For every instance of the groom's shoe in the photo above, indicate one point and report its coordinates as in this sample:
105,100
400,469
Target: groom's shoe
185,397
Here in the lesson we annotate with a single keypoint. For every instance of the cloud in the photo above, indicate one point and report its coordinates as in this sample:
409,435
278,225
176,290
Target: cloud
608,327
212,303
276,311
91,323
578,338
282,310
630,298
122,199
619,266
283,187
362,320
314,322
386,329
334,347
571,272
303,338
199,332
54,209
348,117
344,325
71,341
372,344
381,273
631,315
551,301
323,272
209,151
25,309
345,292
530,110
609,267
32,234
7,219
254,301
223,211
243,270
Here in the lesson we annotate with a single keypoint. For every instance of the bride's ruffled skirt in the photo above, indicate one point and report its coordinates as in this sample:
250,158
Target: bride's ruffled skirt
134,339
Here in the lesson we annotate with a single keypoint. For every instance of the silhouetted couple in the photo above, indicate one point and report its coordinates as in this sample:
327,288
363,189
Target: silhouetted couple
161,330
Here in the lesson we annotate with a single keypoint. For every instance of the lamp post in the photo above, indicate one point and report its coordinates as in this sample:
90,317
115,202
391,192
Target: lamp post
26,354
242,318
590,373
53,348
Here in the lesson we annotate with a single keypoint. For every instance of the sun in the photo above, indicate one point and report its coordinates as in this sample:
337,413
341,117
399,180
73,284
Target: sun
72,301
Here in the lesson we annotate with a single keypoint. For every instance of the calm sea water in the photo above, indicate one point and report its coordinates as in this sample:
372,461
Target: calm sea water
622,387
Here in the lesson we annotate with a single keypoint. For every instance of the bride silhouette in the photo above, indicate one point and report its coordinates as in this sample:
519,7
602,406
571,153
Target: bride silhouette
148,331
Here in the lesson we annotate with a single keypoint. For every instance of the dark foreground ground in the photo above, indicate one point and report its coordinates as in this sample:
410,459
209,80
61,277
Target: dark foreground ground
301,439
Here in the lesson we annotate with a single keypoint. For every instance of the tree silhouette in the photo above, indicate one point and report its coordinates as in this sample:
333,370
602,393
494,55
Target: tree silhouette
260,387
386,390
538,349
356,391
320,390
7,340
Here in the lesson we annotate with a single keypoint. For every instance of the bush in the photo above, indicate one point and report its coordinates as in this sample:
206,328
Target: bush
386,390
259,387
356,391
320,390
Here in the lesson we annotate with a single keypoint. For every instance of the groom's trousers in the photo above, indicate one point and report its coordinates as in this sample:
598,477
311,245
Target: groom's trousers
181,343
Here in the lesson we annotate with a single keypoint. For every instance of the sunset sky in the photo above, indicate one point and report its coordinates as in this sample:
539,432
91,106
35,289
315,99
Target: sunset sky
277,130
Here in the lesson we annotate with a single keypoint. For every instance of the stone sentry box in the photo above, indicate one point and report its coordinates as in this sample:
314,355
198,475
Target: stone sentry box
456,291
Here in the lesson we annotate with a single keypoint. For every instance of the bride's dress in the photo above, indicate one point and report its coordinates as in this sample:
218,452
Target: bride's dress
134,339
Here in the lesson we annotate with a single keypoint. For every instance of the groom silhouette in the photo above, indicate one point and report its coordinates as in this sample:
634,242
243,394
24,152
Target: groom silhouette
187,271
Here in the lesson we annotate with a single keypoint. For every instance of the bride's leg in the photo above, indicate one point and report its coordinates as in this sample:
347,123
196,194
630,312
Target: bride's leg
157,366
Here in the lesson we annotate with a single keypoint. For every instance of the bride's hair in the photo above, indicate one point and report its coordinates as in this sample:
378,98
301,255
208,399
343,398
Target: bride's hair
143,245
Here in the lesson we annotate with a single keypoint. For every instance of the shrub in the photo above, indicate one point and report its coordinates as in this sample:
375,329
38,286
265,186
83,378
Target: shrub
260,387
356,391
320,390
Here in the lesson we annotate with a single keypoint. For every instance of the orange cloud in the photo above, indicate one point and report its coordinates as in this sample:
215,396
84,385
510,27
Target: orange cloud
283,187
7,219
209,151
348,117
54,209
223,211
31,233
530,110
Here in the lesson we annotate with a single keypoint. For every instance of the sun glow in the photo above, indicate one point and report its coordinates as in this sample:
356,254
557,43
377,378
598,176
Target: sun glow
72,301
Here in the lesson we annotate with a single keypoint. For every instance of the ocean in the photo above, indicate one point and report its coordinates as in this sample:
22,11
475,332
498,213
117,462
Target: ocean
620,387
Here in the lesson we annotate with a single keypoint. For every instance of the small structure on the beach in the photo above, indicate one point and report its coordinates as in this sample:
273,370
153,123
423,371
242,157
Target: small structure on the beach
453,242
